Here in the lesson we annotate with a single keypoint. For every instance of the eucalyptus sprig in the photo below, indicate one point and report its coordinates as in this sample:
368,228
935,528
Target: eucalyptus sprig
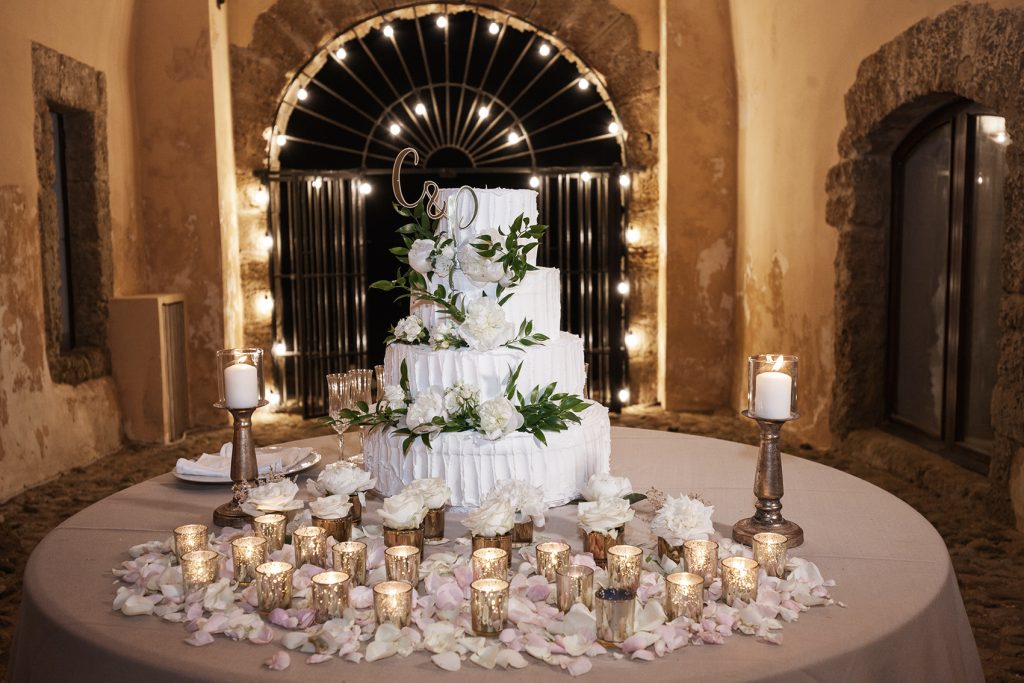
526,337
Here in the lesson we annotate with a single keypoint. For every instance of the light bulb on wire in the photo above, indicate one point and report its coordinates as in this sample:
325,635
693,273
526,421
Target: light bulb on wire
365,188
613,128
624,180
281,139
267,241
265,305
494,28
389,31
534,182
583,84
513,138
302,94
442,21
279,348
632,340
623,287
317,183
624,395
632,235
341,53
394,129
544,49
483,112
585,177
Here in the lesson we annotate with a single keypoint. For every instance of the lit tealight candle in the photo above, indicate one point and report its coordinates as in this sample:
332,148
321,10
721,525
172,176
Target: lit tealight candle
684,596
198,569
330,595
770,553
701,557
190,537
739,579
271,527
350,557
310,546
490,563
624,566
274,585
550,557
392,601
248,553
574,583
403,563
489,606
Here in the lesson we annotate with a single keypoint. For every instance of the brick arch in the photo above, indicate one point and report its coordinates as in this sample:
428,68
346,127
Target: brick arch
971,52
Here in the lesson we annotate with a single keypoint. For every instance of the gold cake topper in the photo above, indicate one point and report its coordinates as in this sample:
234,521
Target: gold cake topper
435,207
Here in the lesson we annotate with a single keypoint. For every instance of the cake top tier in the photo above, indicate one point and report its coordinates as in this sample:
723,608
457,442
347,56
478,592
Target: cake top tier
496,209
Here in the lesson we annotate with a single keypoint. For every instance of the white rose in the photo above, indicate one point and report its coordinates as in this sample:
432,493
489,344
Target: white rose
330,507
421,413
445,261
435,492
604,485
494,517
477,268
683,518
277,496
526,500
419,256
485,327
442,333
604,515
459,397
498,417
409,329
395,396
405,510
343,479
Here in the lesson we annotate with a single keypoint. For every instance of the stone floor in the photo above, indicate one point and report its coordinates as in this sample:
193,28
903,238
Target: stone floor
987,552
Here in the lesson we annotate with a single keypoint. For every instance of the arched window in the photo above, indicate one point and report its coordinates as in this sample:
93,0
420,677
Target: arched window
945,281
487,100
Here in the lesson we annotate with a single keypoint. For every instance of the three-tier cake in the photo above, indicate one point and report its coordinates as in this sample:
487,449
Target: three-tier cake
457,263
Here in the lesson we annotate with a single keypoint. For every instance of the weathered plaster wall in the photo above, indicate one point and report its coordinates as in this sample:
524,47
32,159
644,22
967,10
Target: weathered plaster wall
795,60
46,428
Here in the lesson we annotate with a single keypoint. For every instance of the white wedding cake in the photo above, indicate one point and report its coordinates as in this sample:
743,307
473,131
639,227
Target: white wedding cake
457,373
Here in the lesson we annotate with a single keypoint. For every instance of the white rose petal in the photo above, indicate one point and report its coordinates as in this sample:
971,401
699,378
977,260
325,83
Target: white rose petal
603,485
449,661
604,515
419,256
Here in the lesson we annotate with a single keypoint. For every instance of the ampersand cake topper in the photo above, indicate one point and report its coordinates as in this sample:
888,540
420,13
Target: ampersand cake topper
434,206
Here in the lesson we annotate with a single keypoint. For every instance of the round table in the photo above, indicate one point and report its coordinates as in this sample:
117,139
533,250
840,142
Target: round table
904,618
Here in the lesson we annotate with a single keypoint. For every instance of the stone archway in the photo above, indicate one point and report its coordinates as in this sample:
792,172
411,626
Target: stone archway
290,32
971,52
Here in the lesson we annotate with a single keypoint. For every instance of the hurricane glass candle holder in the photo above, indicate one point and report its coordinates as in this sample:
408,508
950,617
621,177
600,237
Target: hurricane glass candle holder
433,525
190,537
338,528
624,566
488,606
597,544
551,556
310,546
271,527
350,557
684,596
402,563
330,595
739,579
614,607
701,558
770,553
490,563
503,541
574,583
248,553
392,602
393,537
198,569
274,585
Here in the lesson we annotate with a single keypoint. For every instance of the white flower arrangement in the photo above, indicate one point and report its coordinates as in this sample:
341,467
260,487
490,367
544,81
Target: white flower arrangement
404,510
341,479
683,518
445,335
478,268
527,501
275,496
331,507
604,516
495,517
461,397
604,485
419,256
395,396
436,492
424,413
409,330
486,327
497,418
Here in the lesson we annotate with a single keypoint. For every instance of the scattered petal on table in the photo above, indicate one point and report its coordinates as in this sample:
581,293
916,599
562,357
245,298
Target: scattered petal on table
279,662
449,661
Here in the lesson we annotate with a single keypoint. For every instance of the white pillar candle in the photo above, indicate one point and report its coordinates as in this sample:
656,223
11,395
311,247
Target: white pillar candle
772,394
241,386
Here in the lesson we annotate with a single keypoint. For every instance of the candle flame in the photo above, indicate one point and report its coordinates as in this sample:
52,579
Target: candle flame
778,362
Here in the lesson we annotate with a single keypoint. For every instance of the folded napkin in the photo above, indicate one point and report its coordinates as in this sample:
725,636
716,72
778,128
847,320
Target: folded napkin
218,465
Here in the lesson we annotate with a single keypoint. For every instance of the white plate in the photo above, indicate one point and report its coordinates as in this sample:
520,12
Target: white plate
311,459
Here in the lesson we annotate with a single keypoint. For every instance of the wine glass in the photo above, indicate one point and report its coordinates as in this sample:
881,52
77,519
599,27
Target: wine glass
339,397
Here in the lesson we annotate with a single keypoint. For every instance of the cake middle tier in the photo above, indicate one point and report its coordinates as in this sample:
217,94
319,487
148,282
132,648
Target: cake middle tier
559,360
536,298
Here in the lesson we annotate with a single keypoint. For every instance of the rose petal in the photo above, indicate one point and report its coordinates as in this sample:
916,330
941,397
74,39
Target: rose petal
449,661
279,662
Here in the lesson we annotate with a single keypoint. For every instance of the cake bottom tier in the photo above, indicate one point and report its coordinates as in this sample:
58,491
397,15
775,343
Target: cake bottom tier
471,464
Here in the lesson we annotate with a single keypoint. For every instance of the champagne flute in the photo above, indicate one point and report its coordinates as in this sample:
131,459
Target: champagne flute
378,393
360,382
339,398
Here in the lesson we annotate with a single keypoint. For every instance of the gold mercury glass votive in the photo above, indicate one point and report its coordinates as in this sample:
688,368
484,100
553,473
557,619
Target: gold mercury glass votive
271,527
701,557
488,606
310,546
350,557
433,524
274,585
198,569
614,614
503,541
490,563
574,583
770,552
392,601
684,596
356,512
330,595
550,557
597,544
674,552
522,533
403,563
339,528
190,537
739,579
624,566
248,553
393,537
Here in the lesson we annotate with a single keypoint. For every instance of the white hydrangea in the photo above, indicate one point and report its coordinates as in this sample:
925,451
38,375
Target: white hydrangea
498,417
478,268
395,396
683,518
445,260
459,397
486,327
409,329
419,256
442,334
422,411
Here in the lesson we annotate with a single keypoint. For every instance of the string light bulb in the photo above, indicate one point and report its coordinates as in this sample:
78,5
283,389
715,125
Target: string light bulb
442,21
265,305
281,139
624,180
318,182
613,128
420,109
623,287
260,197
389,31
632,340
632,235
273,398
494,28
585,176
513,138
279,348
483,112
534,182
341,53
267,241
544,49
394,129
302,94
624,395
365,188
583,84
